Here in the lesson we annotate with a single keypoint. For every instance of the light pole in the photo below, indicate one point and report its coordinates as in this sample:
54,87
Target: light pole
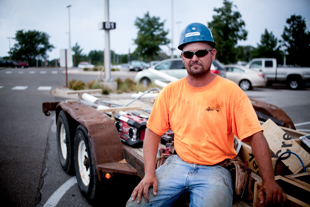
172,22
10,45
107,55
69,26
178,23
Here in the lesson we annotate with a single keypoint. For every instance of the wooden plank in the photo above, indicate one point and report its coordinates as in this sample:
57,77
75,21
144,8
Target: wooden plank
280,142
297,194
294,134
256,202
301,178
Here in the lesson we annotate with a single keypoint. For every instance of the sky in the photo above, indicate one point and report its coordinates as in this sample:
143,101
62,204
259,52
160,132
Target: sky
52,17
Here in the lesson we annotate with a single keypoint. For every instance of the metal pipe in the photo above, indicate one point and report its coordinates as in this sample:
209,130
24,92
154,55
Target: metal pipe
152,89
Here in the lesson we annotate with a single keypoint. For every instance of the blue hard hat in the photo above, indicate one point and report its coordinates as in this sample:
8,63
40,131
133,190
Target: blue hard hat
196,32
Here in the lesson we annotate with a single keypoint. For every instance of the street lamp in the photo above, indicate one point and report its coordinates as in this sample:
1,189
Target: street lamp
10,44
178,23
172,22
69,26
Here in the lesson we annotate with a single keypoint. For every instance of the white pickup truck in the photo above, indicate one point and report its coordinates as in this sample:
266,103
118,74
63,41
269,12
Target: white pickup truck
294,77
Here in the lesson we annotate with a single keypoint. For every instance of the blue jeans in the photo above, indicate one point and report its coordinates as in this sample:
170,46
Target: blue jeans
207,185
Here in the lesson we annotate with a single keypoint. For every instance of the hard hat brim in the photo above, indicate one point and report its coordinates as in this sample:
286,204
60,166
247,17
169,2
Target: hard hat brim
212,44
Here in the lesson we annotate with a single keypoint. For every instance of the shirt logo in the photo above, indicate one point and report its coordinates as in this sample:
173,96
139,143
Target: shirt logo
215,108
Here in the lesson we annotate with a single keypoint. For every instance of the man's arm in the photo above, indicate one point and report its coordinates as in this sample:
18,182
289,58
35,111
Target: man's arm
270,192
150,148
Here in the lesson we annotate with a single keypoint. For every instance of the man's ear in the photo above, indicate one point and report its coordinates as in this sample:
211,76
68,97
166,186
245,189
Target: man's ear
214,51
182,57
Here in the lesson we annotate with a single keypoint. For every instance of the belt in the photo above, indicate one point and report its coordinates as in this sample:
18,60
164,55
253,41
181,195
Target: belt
223,163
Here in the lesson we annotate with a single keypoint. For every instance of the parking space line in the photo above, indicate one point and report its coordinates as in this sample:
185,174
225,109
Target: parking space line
19,88
60,192
44,88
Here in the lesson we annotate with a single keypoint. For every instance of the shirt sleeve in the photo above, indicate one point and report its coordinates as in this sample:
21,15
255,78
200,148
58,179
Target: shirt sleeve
245,123
159,119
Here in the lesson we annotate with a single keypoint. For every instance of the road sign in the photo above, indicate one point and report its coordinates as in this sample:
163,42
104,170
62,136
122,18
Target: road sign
107,25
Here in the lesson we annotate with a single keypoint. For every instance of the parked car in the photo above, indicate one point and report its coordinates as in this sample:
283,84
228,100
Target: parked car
85,65
8,63
136,65
175,68
244,77
153,63
124,67
2,63
21,64
294,77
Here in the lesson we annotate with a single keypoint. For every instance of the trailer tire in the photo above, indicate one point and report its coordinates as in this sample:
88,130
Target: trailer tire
65,135
85,169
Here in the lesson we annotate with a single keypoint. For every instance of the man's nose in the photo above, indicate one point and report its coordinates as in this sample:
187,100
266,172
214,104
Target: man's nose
194,58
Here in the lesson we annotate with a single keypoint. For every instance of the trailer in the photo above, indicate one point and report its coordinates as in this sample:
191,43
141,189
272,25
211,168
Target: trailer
90,143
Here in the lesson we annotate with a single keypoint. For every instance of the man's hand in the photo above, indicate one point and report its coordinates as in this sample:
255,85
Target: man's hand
143,188
150,147
271,193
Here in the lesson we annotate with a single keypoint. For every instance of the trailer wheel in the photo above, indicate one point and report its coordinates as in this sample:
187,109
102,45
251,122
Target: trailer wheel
84,165
65,134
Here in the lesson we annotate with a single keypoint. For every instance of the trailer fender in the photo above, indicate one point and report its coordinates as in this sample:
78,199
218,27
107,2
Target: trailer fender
106,145
265,111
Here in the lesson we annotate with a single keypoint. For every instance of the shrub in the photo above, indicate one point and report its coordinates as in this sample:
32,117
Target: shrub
119,83
95,69
141,87
86,69
127,85
92,85
76,84
106,90
130,84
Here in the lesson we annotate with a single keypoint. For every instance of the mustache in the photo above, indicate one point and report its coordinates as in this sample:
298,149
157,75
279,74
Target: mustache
195,63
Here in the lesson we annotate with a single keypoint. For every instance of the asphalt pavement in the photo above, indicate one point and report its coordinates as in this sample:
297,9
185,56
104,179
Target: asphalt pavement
29,168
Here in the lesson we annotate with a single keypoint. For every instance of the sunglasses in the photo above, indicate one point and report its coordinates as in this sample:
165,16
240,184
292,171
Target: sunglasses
198,53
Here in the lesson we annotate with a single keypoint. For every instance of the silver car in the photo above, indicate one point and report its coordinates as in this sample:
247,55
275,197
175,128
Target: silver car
174,68
244,77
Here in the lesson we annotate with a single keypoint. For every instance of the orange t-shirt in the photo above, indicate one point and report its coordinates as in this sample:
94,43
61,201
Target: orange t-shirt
204,120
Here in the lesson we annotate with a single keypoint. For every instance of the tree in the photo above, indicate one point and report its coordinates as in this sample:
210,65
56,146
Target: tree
227,28
96,57
297,41
244,53
151,36
30,45
78,56
269,47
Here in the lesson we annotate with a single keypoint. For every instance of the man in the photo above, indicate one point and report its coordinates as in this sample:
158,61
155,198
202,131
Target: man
204,111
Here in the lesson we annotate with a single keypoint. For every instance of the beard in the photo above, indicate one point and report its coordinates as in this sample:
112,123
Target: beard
197,69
